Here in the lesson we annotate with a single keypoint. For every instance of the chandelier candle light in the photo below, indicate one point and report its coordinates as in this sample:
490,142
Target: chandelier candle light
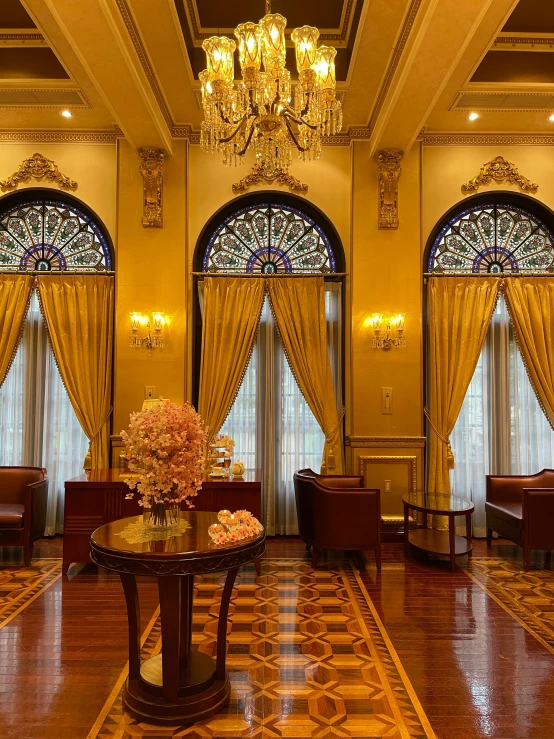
260,112
388,340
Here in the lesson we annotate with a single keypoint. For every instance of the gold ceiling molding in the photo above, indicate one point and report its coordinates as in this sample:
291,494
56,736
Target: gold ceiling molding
394,62
258,176
388,442
524,41
499,170
22,38
38,167
411,462
479,95
389,171
152,170
487,139
58,137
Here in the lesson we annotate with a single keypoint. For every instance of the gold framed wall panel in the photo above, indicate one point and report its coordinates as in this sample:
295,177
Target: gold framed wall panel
400,469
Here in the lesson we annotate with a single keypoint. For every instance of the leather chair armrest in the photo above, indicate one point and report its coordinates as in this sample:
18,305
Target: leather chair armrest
36,501
504,489
348,518
340,482
538,517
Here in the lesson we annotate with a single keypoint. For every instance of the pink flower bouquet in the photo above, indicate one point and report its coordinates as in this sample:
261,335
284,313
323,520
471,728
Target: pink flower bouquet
165,448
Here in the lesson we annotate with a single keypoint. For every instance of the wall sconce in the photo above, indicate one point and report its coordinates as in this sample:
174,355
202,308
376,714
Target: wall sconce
393,334
147,330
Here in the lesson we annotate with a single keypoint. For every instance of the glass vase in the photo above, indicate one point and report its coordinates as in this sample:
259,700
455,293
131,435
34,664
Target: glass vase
162,515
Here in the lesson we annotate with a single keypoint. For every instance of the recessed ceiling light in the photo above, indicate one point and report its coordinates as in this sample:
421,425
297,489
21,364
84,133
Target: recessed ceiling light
67,114
551,117
473,116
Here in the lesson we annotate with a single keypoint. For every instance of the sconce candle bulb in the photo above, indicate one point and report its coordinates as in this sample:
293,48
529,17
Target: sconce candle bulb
388,339
152,336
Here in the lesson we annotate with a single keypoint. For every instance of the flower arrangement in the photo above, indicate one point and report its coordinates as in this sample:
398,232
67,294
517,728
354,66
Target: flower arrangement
165,448
233,527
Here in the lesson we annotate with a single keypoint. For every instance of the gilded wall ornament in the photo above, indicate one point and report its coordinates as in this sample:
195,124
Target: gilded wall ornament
499,170
38,167
152,170
260,174
389,170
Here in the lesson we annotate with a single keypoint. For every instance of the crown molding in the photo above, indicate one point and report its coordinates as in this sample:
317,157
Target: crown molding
487,139
19,37
58,137
524,42
386,442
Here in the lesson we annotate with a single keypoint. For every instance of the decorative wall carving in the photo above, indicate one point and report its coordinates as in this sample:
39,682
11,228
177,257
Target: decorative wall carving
152,170
389,174
39,168
258,175
499,170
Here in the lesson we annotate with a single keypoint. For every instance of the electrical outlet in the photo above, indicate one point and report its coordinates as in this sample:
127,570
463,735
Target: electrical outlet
388,486
149,391
386,401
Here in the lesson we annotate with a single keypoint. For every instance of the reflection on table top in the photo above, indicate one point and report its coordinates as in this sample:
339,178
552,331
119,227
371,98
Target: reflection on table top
193,542
438,502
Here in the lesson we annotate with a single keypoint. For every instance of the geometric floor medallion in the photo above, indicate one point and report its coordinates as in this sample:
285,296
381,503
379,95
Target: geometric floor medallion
526,596
20,586
307,656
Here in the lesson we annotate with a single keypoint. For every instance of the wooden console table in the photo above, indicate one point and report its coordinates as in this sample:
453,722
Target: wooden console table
98,497
182,685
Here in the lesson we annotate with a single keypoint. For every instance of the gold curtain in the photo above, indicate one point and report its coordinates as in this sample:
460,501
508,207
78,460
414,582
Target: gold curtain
78,311
15,292
460,310
232,309
298,306
530,303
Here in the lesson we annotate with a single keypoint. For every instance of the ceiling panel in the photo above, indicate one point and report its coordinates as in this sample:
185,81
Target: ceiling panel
14,15
222,14
531,16
516,66
30,63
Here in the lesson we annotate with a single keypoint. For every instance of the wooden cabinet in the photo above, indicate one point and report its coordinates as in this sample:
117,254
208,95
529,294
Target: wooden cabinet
98,497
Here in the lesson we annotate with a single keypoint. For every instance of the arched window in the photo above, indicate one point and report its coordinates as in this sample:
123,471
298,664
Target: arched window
501,428
46,231
273,233
490,238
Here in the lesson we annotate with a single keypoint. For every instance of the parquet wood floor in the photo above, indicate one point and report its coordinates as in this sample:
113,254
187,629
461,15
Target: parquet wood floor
475,669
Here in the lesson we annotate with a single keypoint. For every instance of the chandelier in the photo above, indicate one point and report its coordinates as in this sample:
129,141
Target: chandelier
262,112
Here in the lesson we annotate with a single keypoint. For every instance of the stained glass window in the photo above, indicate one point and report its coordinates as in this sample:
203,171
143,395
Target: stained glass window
269,238
493,239
48,235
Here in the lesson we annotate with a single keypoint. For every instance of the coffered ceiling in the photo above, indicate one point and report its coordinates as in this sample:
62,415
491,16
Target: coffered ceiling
130,67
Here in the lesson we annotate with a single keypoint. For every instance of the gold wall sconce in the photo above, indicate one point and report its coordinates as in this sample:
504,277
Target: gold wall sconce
393,333
147,330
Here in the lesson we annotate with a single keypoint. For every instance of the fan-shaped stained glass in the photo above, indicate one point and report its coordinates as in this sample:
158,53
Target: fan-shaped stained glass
493,239
48,235
267,239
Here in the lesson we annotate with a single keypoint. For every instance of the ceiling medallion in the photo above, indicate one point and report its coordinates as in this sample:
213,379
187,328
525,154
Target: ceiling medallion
38,167
499,170
262,112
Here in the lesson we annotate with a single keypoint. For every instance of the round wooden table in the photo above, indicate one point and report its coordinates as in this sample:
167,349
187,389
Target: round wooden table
433,540
180,685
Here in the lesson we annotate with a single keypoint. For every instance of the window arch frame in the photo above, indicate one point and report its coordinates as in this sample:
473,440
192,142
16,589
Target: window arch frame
538,210
41,194
236,205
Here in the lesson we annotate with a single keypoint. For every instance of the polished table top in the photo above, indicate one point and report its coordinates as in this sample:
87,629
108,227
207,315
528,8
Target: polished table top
193,548
250,477
438,502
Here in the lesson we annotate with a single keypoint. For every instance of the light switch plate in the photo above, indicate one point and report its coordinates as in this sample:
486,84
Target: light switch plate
149,392
386,401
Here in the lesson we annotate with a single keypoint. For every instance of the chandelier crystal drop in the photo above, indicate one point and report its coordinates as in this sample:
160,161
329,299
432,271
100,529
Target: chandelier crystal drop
264,112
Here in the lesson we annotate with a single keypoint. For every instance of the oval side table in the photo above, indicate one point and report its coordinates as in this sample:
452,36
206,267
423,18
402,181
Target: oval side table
180,685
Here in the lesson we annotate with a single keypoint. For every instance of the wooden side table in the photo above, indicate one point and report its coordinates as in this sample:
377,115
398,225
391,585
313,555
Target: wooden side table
180,685
432,540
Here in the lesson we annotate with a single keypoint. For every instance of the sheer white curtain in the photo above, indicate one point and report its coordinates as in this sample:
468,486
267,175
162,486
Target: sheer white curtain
38,426
270,421
501,428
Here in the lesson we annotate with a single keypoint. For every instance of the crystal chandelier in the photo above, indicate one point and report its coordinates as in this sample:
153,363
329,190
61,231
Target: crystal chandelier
262,112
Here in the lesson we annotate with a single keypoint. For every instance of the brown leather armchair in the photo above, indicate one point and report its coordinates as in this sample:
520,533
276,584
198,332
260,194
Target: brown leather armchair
23,498
337,512
521,508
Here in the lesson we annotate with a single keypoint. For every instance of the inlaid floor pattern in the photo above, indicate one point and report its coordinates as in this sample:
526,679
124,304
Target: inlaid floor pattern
19,586
308,657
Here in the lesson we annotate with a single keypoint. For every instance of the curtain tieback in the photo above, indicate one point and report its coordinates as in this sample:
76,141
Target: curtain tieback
88,458
445,440
330,462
